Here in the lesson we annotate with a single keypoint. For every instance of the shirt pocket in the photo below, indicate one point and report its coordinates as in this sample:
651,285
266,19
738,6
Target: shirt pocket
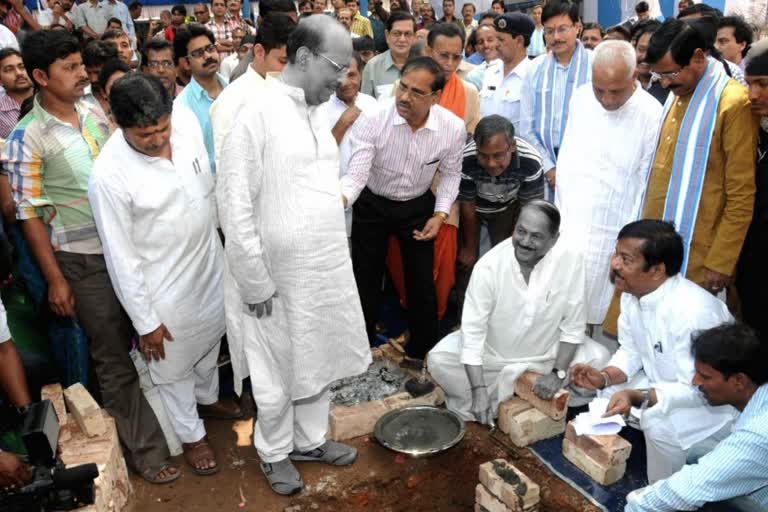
199,183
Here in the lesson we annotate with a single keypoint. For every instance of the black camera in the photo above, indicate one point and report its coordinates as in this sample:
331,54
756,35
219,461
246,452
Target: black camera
53,487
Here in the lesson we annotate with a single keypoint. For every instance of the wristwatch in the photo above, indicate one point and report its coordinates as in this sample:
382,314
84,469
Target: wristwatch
561,374
646,394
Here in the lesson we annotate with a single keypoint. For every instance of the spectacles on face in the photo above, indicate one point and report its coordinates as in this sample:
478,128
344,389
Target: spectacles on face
200,52
342,70
496,157
450,57
397,34
200,13
402,88
666,76
160,64
561,30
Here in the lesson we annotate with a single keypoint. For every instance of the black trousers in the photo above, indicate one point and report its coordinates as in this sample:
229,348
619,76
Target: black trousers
109,334
374,218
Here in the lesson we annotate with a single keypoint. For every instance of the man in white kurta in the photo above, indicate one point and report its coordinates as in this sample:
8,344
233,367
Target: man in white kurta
290,290
602,168
511,323
650,376
155,217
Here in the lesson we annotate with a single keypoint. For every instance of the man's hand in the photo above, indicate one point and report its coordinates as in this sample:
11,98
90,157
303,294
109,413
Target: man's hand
430,231
546,386
467,257
586,377
622,402
481,406
60,298
18,5
715,281
151,345
550,177
350,115
13,472
258,310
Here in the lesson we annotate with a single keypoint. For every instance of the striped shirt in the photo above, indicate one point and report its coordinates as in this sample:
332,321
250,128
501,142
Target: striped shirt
9,114
49,164
738,466
362,26
522,181
399,164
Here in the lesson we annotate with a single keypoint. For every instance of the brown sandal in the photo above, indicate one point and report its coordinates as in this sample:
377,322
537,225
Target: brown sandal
196,452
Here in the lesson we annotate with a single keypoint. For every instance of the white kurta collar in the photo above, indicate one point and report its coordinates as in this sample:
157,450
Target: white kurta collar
654,299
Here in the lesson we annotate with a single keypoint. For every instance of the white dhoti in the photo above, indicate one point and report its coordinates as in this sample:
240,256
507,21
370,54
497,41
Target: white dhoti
499,375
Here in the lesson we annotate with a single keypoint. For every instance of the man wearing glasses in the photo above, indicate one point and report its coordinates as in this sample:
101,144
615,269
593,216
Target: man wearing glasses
549,84
293,313
202,14
396,152
383,70
196,44
157,59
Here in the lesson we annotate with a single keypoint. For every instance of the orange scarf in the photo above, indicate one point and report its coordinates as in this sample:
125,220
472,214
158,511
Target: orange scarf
453,97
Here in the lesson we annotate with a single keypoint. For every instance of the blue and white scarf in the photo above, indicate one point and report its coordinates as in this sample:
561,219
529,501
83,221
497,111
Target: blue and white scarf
692,152
579,73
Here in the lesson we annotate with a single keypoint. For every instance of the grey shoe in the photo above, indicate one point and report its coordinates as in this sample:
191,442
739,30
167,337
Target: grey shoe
283,477
330,452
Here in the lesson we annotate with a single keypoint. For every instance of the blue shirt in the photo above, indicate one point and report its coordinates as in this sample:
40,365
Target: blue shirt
475,58
738,466
120,11
195,98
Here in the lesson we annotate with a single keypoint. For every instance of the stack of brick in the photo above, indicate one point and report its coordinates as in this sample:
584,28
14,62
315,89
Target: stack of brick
526,418
504,488
91,438
602,458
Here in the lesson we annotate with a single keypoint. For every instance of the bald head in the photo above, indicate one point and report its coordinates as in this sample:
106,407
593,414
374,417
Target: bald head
613,73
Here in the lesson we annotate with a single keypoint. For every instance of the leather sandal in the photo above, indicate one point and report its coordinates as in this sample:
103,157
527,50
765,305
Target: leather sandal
151,474
194,453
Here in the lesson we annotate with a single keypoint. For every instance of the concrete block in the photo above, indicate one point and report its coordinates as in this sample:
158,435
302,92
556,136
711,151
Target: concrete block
488,501
602,474
506,491
609,450
55,394
113,487
525,424
85,410
556,408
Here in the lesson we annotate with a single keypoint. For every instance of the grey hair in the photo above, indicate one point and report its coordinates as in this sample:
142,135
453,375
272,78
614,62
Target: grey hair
549,210
609,52
493,125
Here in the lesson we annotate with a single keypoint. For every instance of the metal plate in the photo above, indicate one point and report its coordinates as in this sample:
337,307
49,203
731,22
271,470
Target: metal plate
419,431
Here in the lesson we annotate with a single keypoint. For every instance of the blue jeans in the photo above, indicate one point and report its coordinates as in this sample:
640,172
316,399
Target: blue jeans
739,504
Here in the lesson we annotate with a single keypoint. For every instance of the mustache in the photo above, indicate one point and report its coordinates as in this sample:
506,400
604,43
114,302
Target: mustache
211,61
612,275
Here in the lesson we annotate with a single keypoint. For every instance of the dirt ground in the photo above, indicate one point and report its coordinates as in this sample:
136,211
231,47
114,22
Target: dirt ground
379,481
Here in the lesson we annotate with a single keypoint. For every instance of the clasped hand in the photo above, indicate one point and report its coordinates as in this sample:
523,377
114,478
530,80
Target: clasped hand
259,309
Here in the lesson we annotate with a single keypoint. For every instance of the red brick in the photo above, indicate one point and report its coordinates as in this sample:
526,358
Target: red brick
507,492
556,408
55,394
525,424
488,501
609,450
600,473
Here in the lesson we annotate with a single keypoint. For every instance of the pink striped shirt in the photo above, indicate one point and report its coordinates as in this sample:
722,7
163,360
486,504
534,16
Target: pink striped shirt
399,164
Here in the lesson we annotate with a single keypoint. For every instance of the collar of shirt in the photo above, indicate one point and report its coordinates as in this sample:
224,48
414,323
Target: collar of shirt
653,299
197,90
82,107
387,61
294,92
540,268
431,123
756,405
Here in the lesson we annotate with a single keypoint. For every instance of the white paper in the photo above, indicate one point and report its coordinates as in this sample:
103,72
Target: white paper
593,423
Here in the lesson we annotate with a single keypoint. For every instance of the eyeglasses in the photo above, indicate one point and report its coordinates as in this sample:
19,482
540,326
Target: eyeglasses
665,76
497,157
396,34
200,52
402,88
561,30
201,13
160,64
456,57
338,67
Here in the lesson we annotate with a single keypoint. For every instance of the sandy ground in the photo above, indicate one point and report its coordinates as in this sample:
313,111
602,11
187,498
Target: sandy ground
379,481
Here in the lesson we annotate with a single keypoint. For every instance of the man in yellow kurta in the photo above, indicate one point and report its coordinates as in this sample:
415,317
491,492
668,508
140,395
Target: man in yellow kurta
703,174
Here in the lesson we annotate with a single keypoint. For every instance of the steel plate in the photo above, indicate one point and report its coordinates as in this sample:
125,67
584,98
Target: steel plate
419,431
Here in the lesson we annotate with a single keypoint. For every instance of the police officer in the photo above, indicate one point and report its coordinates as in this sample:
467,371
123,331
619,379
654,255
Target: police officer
503,79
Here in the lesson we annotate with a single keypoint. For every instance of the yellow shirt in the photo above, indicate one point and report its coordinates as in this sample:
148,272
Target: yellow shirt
728,194
362,26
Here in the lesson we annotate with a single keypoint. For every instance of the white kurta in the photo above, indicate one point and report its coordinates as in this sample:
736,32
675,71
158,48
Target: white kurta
602,171
156,222
509,326
281,210
334,108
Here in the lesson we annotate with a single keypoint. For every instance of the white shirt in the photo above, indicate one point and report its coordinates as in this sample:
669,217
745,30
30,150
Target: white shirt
228,65
602,173
335,108
7,38
655,336
230,103
5,332
501,94
156,221
506,319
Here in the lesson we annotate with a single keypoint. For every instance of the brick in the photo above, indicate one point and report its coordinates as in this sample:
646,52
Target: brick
507,492
509,409
55,394
488,501
85,410
602,474
113,487
556,408
609,450
527,425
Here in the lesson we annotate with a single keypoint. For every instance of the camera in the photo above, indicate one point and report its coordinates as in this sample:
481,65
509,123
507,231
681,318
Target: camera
53,487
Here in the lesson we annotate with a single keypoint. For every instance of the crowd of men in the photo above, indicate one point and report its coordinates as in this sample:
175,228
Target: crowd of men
592,201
